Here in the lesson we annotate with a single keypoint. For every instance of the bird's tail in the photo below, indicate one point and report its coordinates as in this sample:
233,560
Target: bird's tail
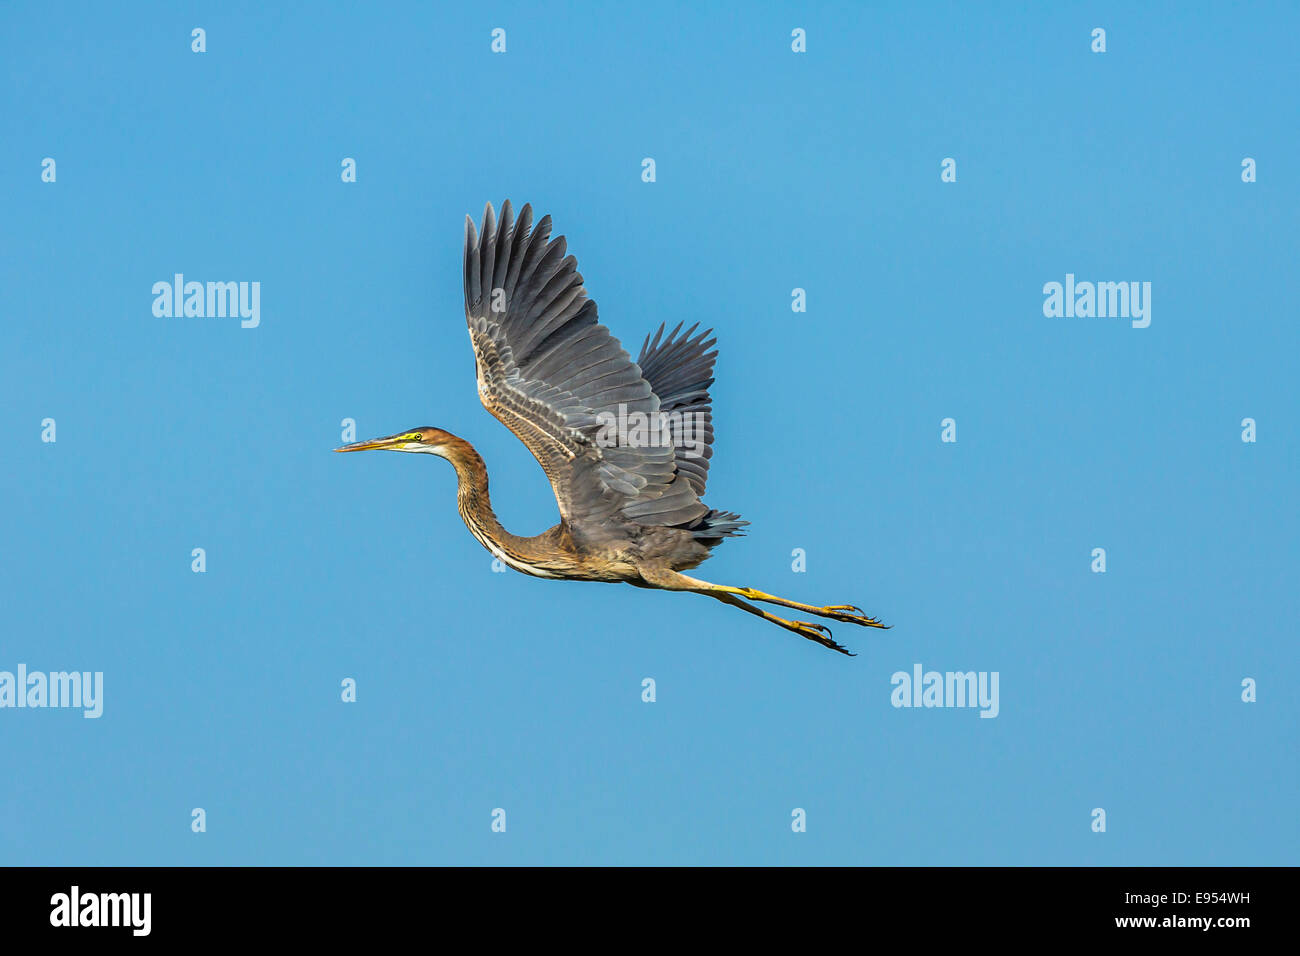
710,529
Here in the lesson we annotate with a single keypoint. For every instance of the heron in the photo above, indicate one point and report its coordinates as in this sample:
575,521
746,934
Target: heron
625,445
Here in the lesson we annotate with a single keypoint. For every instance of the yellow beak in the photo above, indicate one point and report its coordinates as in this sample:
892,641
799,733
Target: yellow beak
392,441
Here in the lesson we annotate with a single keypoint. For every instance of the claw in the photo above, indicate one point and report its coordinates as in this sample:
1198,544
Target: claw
851,614
822,635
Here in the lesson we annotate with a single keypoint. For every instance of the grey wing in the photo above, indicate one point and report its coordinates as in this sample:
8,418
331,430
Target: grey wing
679,369
553,375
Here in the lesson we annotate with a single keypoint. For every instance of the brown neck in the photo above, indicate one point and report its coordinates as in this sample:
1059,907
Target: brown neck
472,499
543,555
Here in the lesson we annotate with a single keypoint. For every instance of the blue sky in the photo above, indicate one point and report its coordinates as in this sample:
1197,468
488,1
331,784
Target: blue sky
774,171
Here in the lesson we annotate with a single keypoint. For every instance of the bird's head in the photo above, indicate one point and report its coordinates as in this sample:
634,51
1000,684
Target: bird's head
430,441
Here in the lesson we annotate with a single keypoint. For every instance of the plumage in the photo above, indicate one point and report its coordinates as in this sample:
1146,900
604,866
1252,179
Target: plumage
625,445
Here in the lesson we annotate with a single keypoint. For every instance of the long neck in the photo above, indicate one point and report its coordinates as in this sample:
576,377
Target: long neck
543,555
472,499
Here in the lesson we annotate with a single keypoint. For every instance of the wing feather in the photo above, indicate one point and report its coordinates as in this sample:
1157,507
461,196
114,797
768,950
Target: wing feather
680,370
555,376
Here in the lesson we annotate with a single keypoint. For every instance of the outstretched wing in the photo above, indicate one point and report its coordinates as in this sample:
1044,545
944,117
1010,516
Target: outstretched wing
553,375
680,370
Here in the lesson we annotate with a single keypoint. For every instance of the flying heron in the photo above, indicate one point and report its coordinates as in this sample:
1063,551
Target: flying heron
629,499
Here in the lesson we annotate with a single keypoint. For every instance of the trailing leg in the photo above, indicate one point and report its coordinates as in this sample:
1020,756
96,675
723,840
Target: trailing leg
674,581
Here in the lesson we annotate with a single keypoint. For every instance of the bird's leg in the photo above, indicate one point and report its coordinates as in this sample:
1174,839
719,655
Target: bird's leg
813,632
848,613
674,581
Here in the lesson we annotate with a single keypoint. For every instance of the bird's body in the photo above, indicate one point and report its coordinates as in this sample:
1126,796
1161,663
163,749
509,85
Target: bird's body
626,445
613,550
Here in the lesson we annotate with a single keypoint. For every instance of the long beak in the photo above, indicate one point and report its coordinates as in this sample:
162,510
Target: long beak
392,441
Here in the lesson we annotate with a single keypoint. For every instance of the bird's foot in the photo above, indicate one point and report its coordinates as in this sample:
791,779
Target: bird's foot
819,633
850,614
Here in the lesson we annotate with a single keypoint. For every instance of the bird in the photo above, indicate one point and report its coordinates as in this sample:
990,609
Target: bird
625,445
